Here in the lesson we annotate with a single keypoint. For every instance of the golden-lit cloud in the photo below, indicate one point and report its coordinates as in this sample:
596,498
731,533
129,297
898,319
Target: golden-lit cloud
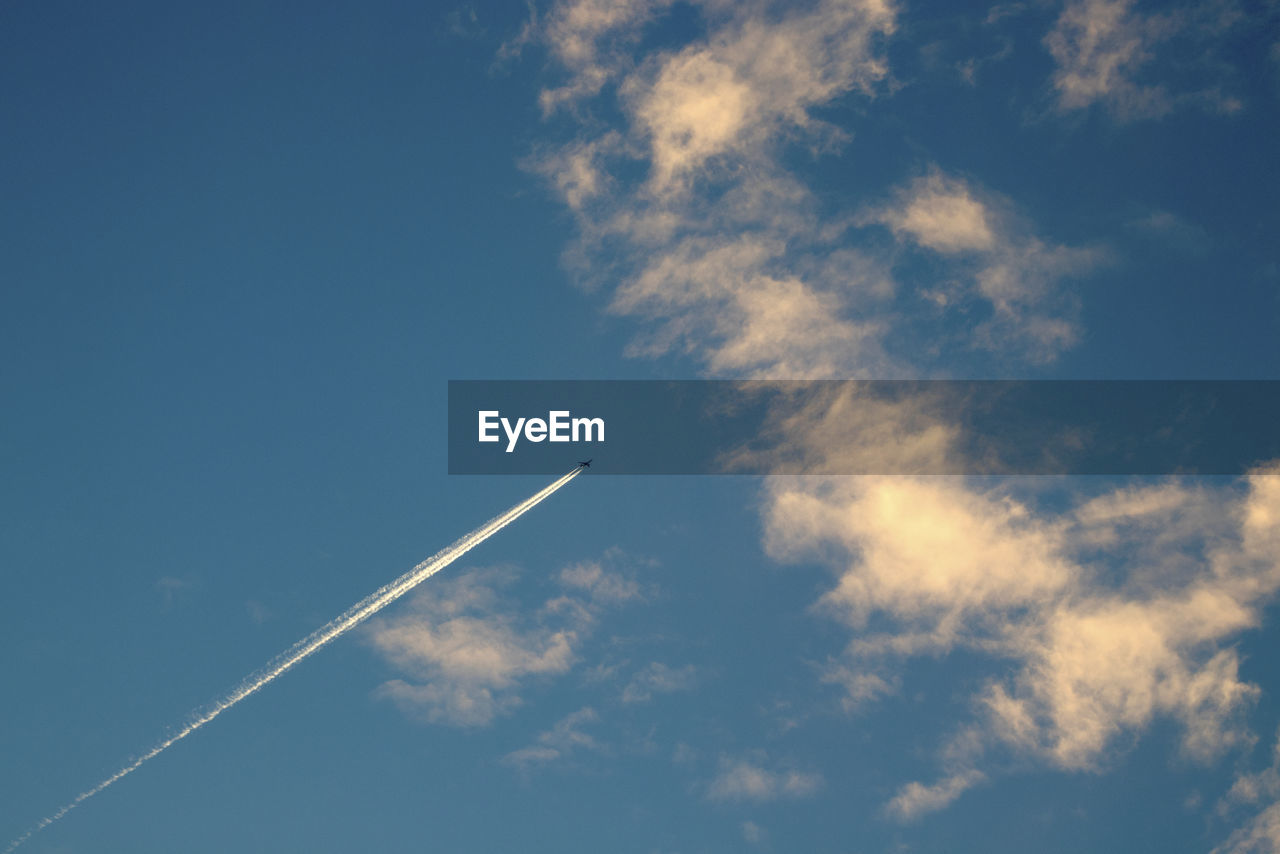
1104,51
754,778
1098,647
466,651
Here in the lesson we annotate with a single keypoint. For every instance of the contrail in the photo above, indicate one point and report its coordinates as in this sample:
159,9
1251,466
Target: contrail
335,628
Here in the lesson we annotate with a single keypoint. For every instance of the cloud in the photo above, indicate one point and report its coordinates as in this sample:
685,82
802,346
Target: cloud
1101,49
590,39
563,739
173,589
658,678
463,22
1009,269
258,612
1172,231
914,800
1260,835
467,650
683,754
1250,788
600,585
689,215
577,171
1110,615
694,220
754,76
1261,831
758,320
754,71
844,427
713,241
748,779
997,556
941,214
859,687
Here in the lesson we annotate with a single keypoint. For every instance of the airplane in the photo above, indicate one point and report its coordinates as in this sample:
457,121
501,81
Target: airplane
585,464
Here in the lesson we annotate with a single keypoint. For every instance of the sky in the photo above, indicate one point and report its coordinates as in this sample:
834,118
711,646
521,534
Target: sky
247,246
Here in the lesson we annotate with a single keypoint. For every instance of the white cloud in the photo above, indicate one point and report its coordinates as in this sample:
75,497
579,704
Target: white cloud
1014,272
931,553
658,678
683,754
566,737
860,687
1098,45
942,214
576,171
590,37
1261,831
689,216
712,244
1260,835
467,651
729,299
173,589
1103,667
752,77
1173,231
1250,788
914,800
1090,656
749,779
463,22
843,427
599,584
692,221
1104,51
257,611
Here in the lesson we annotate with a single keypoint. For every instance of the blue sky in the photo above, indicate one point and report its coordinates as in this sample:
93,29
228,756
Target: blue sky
245,248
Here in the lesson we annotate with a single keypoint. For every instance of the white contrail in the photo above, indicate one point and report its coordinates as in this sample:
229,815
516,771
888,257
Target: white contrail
352,617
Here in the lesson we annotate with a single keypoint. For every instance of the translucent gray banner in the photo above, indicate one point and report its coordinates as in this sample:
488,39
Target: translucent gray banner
917,427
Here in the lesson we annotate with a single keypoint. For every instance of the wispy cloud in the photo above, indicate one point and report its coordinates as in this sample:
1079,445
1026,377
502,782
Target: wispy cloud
1172,231
693,219
258,612
467,649
566,737
707,237
690,215
1259,790
658,678
600,585
1105,52
172,589
1094,657
916,799
754,834
1259,835
463,22
753,779
591,40
998,259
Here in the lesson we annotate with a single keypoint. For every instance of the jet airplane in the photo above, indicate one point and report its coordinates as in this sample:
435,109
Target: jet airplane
585,464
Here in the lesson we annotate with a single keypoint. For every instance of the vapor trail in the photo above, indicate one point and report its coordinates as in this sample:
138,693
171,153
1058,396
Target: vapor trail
340,625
